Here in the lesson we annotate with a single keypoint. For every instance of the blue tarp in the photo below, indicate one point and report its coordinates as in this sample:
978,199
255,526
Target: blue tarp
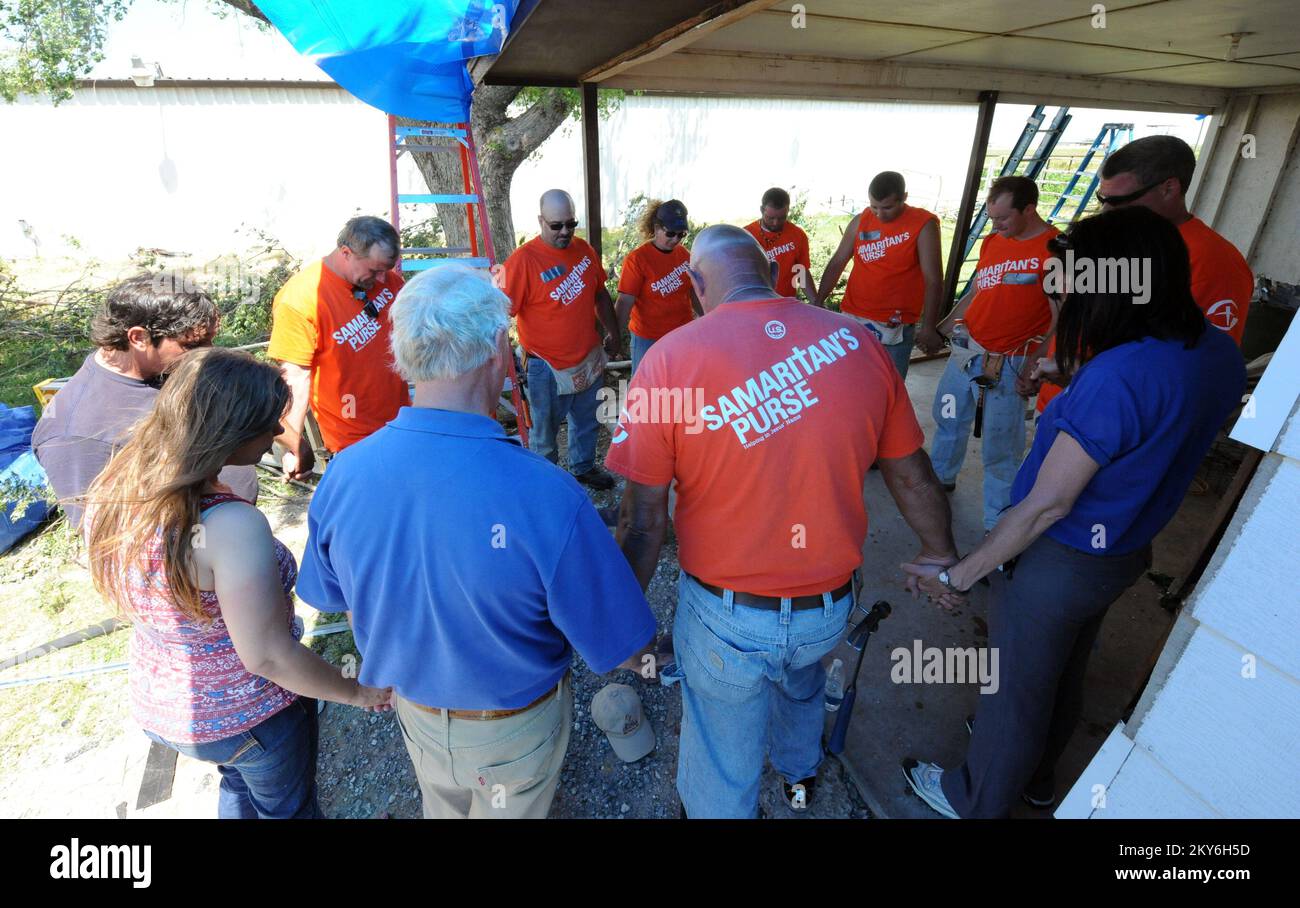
18,466
405,58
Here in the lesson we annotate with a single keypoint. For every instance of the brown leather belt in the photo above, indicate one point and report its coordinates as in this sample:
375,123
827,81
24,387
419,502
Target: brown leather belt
485,715
773,603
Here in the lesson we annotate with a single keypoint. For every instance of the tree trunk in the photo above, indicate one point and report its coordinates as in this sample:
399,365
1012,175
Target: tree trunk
503,143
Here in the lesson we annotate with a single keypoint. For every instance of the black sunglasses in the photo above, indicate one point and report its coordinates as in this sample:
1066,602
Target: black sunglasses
1128,197
557,226
675,234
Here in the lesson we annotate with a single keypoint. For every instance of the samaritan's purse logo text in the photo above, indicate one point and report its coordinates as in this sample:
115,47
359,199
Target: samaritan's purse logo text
779,394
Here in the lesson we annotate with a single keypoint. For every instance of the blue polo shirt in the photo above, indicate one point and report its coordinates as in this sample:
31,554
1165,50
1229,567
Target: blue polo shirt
472,567
1146,412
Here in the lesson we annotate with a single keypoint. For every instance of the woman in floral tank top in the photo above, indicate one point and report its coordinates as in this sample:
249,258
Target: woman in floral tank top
217,671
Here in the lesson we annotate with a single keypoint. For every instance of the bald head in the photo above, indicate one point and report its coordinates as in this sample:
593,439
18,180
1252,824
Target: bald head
556,207
727,263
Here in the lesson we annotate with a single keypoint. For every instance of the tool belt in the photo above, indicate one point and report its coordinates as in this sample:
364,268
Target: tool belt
576,379
884,332
773,603
487,715
993,363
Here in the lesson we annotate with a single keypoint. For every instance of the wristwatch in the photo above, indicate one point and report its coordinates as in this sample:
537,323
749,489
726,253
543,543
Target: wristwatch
947,581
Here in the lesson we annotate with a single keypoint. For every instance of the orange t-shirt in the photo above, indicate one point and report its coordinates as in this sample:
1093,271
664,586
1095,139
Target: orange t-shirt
658,281
553,293
1222,284
318,324
1010,306
886,275
787,247
774,429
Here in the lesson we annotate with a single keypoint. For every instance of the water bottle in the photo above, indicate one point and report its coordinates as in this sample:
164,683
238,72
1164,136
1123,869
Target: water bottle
835,686
896,319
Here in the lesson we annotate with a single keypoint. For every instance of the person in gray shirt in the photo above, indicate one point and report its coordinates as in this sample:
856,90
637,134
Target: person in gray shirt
145,324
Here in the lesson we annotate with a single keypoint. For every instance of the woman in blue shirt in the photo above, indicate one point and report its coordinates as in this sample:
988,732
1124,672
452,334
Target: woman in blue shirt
1111,461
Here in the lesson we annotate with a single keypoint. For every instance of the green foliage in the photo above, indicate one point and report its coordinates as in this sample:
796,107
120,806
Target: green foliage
49,44
608,100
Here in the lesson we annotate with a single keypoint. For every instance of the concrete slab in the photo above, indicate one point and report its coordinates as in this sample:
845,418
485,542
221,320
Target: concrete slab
895,720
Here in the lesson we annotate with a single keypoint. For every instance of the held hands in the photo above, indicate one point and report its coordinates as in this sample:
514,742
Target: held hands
298,464
373,699
922,577
612,345
929,340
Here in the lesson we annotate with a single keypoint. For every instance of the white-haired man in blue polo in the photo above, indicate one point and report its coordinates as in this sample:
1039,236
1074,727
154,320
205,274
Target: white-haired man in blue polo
472,568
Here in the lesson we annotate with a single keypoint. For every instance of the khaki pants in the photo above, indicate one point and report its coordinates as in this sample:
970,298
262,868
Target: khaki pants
494,769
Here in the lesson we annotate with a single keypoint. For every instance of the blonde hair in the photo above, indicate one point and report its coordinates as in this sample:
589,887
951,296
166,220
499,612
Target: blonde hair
213,401
648,220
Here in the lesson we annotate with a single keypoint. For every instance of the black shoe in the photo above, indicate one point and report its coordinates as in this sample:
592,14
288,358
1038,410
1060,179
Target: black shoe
681,812
597,479
799,795
1041,796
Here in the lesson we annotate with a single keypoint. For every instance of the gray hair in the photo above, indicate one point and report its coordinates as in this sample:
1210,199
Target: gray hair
446,322
362,233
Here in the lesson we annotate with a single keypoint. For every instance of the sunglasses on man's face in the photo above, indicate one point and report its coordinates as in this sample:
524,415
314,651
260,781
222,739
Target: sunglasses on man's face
675,234
557,226
1115,200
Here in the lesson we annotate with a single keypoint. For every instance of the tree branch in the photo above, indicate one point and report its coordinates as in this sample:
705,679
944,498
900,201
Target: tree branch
248,8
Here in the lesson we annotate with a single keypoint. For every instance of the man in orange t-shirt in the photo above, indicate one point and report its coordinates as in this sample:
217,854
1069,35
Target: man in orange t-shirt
556,285
784,243
654,296
330,330
1007,314
1154,172
768,435
897,275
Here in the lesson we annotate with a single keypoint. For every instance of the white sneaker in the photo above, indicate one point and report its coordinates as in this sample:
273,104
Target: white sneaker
925,781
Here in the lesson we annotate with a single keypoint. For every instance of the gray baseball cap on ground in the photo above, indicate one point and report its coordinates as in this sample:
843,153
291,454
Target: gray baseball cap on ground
616,710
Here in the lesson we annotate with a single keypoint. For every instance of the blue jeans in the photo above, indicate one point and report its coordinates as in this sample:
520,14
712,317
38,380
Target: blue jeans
753,688
639,347
1003,439
267,772
549,409
901,352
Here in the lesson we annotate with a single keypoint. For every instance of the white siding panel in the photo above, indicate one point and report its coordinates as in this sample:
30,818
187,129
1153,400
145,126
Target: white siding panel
1105,766
1251,599
1233,741
1146,790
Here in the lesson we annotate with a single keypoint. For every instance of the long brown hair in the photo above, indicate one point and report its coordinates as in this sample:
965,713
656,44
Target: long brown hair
213,401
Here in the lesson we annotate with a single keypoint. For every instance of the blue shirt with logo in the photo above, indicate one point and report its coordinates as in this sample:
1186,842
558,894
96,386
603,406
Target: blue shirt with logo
1146,412
472,567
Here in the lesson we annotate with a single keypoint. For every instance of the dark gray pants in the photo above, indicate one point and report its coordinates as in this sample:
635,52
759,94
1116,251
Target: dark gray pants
1043,624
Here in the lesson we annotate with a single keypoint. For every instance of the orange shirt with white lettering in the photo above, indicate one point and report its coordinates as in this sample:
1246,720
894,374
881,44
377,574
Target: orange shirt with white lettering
1222,284
658,281
553,293
1010,306
318,324
886,276
776,423
787,247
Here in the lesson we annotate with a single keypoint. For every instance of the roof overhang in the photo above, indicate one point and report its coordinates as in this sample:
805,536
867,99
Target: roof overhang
1144,54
